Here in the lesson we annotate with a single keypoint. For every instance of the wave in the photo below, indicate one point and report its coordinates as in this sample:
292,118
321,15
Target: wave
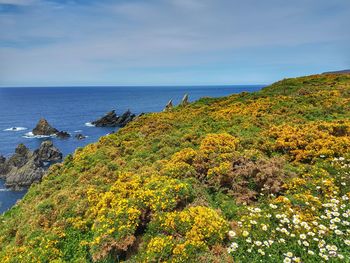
79,130
30,135
4,190
89,124
15,129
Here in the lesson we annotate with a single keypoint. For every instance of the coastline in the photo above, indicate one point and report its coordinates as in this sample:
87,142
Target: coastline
124,99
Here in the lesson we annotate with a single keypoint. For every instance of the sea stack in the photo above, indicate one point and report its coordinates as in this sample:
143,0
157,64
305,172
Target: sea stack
44,128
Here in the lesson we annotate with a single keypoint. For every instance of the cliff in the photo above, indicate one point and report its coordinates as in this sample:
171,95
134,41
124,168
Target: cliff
250,177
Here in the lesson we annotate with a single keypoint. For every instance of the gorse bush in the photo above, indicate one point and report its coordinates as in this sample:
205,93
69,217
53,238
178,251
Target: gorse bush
311,141
252,177
183,235
121,212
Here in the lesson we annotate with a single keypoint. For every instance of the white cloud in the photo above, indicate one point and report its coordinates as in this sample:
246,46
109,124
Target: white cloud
94,41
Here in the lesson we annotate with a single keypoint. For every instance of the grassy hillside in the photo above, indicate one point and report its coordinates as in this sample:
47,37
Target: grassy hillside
253,177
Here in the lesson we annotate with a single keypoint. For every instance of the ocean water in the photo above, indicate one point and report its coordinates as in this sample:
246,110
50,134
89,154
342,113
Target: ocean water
72,108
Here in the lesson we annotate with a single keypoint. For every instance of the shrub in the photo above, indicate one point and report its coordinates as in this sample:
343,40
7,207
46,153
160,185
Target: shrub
126,209
311,141
182,236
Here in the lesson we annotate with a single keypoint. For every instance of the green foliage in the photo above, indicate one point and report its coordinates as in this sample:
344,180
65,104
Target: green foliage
168,186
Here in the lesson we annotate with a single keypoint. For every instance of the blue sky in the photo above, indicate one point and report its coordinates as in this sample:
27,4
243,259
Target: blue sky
170,42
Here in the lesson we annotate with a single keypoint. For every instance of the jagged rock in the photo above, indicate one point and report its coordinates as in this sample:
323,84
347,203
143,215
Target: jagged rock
125,118
169,105
21,156
2,162
19,178
80,136
111,119
26,167
108,120
48,152
62,134
184,100
44,128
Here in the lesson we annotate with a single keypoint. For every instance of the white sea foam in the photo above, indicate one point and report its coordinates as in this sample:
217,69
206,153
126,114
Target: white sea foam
78,130
15,129
89,124
30,135
4,190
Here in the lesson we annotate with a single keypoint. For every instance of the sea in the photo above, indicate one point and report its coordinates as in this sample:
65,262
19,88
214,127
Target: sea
72,109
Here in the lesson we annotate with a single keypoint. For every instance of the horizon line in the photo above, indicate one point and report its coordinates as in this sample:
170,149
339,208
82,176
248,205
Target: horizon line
133,86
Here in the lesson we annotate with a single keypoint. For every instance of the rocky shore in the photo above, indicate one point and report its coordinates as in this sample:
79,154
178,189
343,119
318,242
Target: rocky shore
26,167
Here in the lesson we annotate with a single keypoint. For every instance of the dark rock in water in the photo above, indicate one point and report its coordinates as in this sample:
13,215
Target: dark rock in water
80,136
26,167
169,105
111,119
184,101
44,128
62,134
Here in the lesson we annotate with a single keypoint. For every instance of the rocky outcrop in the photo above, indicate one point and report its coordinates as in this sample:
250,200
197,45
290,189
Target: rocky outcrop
111,119
184,101
62,135
2,162
44,128
169,105
125,118
47,152
80,136
26,167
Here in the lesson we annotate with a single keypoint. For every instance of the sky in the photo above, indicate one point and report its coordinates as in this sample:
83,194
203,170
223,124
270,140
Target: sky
170,42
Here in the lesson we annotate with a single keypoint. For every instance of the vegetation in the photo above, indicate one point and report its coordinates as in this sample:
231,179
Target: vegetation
253,177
